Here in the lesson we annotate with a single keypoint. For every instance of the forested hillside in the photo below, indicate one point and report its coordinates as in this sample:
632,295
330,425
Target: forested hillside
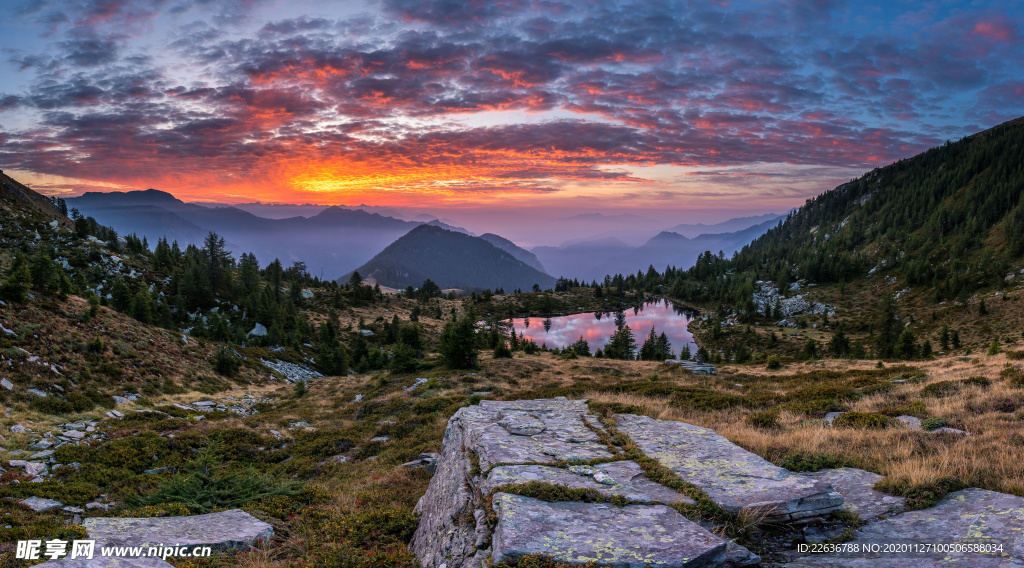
452,260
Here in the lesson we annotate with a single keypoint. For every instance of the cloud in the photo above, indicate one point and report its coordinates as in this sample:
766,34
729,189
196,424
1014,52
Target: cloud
425,95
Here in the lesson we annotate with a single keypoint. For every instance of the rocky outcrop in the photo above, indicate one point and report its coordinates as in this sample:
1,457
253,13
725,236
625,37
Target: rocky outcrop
478,510
860,497
467,519
735,479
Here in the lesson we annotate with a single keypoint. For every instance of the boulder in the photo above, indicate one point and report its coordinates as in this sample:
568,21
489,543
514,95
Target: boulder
258,331
735,479
38,504
7,384
941,536
227,530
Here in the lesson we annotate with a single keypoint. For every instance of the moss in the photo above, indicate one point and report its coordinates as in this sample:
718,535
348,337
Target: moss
864,420
920,496
799,461
554,493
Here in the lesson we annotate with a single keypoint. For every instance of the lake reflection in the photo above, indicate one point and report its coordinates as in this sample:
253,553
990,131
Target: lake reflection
597,328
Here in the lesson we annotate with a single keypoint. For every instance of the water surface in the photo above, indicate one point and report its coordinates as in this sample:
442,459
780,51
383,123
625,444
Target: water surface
597,328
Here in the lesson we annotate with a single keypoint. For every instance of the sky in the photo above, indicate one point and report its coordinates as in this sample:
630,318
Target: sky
698,111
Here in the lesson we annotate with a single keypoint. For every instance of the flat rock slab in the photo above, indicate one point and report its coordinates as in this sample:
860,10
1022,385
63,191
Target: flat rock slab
526,431
627,477
735,479
220,531
971,516
38,504
857,489
635,536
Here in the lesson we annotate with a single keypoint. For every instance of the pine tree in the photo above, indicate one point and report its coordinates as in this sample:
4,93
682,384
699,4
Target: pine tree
956,339
944,338
16,286
622,345
839,345
458,343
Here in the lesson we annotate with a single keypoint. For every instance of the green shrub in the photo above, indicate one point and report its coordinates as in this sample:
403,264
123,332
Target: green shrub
934,423
1015,355
773,363
978,381
864,420
941,389
205,484
767,420
51,405
225,362
1013,374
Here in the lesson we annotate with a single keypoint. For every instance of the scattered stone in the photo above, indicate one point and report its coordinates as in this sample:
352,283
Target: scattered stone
654,536
38,504
694,366
204,403
947,430
31,468
380,438
73,510
41,445
912,422
259,330
73,434
120,399
831,417
427,461
292,372
37,392
7,384
307,294
97,505
41,455
419,381
114,414
734,478
366,332
358,398
18,429
963,518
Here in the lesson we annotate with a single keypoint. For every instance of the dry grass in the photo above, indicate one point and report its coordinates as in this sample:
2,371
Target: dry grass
989,457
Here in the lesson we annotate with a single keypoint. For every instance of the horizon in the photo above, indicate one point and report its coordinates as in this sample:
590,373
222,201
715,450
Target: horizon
684,112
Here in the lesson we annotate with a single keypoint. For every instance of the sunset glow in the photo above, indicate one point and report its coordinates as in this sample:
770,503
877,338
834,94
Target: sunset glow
754,105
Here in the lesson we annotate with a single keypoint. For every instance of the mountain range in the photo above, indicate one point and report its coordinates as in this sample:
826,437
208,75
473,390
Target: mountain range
331,242
593,260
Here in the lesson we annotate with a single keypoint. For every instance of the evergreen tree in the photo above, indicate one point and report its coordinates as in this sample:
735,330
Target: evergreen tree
16,286
120,295
622,345
888,326
458,343
944,338
839,345
955,339
142,306
906,345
